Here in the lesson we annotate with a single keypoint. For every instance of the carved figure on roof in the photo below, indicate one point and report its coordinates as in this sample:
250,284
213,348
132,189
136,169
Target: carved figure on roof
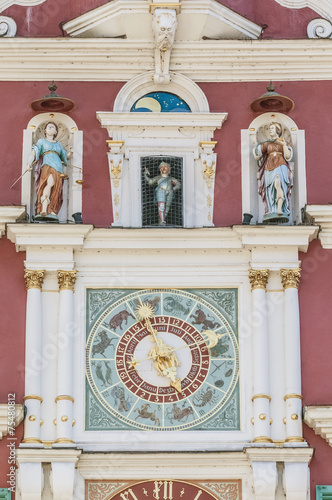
164,26
165,188
274,175
49,156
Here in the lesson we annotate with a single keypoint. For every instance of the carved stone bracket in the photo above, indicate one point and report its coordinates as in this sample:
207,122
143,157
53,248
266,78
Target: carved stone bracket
164,26
8,27
115,162
319,28
209,163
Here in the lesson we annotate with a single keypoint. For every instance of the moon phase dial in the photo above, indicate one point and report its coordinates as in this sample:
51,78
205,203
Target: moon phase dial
134,384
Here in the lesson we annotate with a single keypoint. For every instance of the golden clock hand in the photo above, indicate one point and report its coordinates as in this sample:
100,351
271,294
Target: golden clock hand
212,338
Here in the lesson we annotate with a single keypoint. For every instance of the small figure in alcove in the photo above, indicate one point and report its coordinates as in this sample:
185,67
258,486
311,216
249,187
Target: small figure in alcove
274,175
49,156
164,192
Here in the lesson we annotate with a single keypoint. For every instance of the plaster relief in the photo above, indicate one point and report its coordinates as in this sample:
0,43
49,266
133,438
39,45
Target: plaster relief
164,27
4,4
323,7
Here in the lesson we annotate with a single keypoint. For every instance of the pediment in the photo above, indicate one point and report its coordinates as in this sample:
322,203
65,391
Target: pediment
131,19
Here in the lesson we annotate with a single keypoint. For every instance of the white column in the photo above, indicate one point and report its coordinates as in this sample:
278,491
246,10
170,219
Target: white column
64,399
33,356
293,400
275,304
260,355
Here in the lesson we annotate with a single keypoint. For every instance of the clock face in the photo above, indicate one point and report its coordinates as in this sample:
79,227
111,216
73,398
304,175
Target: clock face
161,371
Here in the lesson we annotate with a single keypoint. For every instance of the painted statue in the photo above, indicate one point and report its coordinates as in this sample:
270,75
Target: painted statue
274,176
164,192
49,157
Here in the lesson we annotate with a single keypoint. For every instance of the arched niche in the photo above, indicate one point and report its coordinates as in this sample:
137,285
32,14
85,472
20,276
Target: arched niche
179,85
71,139
257,131
180,138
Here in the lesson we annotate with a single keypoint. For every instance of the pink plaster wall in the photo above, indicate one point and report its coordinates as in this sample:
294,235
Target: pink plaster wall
12,338
45,19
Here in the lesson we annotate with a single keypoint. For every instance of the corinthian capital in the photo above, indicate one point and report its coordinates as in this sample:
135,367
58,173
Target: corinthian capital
34,279
290,278
258,278
66,280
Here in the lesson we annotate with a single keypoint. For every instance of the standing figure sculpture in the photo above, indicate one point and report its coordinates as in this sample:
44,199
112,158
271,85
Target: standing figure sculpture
49,156
165,188
274,176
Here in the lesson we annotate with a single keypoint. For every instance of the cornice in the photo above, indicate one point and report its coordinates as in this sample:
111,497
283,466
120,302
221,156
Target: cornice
10,214
86,59
168,120
319,418
155,239
322,215
271,236
4,417
35,455
287,455
154,465
47,235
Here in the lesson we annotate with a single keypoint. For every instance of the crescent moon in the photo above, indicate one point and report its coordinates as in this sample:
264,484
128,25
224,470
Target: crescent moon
149,103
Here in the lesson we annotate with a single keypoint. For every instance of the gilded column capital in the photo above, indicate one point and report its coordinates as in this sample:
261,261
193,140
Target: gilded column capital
258,278
290,278
66,280
34,279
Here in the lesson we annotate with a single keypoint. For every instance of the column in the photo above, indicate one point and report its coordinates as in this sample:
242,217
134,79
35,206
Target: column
259,327
290,279
33,355
64,399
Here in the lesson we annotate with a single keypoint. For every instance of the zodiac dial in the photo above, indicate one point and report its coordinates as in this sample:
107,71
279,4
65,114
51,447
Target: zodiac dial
162,359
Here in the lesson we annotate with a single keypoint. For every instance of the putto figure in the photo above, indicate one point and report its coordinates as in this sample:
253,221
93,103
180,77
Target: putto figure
274,176
49,157
164,192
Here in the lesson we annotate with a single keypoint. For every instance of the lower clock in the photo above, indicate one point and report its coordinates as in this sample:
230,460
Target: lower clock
164,490
162,359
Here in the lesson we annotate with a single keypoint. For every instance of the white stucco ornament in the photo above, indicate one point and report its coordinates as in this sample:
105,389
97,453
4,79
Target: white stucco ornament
322,7
164,26
319,28
4,4
7,27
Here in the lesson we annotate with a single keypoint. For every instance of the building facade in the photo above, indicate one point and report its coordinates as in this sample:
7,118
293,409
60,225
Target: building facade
165,249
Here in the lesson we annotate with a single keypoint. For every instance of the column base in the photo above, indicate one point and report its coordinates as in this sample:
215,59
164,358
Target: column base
294,439
262,439
64,440
32,440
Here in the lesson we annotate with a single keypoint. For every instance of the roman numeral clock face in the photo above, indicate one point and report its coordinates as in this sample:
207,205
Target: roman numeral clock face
162,360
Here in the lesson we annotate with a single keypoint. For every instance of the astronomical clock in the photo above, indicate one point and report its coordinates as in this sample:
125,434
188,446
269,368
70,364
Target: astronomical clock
162,360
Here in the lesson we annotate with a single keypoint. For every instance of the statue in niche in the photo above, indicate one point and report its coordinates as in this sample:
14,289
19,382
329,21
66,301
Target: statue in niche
164,25
164,192
49,156
274,175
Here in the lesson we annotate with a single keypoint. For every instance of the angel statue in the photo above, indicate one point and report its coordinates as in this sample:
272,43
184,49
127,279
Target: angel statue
49,156
165,188
275,180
